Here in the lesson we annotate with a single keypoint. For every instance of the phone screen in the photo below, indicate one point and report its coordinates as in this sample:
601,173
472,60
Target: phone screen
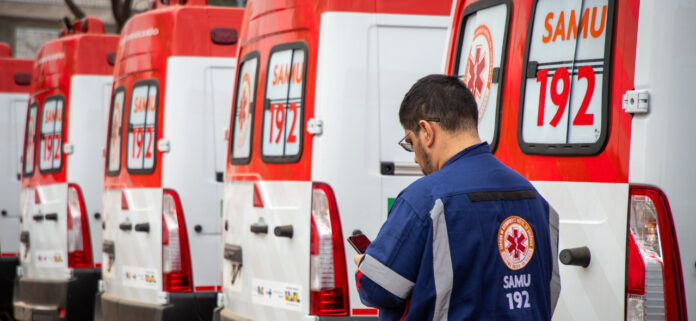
359,243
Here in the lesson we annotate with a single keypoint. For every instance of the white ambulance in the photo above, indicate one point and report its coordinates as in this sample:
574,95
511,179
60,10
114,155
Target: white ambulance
165,155
590,101
313,148
15,77
61,177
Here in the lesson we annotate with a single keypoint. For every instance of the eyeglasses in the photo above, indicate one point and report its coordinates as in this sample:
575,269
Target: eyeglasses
408,146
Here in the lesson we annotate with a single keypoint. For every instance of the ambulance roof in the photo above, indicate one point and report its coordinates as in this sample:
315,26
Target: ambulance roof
148,39
82,51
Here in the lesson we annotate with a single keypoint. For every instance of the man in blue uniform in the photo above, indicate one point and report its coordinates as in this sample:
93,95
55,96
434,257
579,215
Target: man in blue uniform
473,239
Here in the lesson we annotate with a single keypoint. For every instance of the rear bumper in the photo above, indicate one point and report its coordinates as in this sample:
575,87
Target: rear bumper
44,299
182,306
222,314
8,272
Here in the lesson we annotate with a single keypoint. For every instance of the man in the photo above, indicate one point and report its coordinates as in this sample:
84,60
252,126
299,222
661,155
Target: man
472,240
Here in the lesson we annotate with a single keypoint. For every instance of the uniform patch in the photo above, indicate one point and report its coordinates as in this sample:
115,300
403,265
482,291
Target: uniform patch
515,242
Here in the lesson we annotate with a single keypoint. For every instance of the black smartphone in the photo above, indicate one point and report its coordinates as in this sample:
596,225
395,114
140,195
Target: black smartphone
359,243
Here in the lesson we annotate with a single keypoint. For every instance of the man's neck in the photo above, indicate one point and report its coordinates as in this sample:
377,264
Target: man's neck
453,145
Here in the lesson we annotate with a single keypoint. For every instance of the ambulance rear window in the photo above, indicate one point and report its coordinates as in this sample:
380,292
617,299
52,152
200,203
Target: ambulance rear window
480,61
142,122
244,107
113,152
30,140
564,107
283,108
51,138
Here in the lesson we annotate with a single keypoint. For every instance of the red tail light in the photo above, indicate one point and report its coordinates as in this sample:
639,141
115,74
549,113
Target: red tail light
328,278
654,285
37,196
79,245
258,201
176,259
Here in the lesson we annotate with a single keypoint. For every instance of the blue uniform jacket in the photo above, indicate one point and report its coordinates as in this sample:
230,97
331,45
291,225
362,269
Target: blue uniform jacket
472,241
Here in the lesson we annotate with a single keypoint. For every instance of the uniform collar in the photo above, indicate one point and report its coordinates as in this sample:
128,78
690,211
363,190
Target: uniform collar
472,150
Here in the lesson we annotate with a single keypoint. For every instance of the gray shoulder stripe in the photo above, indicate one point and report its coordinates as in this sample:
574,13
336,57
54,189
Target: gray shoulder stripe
502,195
442,262
556,276
386,277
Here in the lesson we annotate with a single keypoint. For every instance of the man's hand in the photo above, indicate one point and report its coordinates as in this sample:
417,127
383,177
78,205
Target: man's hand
358,258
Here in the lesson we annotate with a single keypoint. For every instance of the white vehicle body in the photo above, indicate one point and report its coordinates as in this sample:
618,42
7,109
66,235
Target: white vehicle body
624,193
366,62
14,109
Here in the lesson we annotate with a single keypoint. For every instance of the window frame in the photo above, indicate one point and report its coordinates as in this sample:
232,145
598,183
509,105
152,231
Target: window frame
252,109
301,45
35,105
108,134
58,97
576,149
468,11
139,83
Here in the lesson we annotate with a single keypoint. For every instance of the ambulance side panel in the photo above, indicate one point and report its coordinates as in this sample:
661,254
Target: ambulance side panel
47,255
198,96
90,98
12,118
366,64
662,146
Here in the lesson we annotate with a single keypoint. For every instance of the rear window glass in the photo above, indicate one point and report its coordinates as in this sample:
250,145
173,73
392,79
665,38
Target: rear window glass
564,106
481,60
51,138
142,119
30,140
244,107
113,153
284,104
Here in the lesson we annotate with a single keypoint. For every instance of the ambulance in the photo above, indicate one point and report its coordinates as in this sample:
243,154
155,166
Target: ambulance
590,101
15,77
313,154
165,155
60,205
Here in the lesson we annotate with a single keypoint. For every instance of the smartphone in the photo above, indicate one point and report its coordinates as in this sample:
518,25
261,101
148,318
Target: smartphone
359,243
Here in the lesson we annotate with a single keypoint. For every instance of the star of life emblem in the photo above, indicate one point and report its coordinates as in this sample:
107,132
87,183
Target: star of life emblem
515,242
478,72
244,111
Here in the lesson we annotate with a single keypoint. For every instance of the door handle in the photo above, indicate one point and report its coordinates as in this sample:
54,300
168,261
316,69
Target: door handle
259,228
52,217
24,237
283,231
38,217
579,256
142,227
125,226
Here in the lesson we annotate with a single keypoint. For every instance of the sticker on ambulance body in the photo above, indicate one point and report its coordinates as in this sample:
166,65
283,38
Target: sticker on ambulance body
140,277
276,294
30,139
50,258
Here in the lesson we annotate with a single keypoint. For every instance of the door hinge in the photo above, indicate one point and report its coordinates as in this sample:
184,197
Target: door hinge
68,149
163,145
315,126
636,101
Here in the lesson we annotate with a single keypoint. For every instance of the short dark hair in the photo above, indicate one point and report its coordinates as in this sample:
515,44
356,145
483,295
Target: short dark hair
443,97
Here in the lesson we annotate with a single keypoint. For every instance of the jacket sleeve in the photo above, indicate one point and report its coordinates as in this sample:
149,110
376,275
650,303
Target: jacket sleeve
387,273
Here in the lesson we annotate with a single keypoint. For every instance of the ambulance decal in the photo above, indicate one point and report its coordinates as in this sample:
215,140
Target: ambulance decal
479,67
244,109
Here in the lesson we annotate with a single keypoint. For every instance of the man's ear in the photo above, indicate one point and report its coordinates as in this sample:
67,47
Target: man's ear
427,130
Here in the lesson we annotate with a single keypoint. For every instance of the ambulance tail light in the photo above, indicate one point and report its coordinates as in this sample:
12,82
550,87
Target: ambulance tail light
328,279
654,285
79,245
176,260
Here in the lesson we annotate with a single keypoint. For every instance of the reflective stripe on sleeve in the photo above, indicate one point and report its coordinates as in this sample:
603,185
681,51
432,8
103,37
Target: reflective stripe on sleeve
386,277
555,277
442,262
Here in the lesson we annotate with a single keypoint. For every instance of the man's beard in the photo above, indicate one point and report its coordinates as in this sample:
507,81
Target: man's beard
426,163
